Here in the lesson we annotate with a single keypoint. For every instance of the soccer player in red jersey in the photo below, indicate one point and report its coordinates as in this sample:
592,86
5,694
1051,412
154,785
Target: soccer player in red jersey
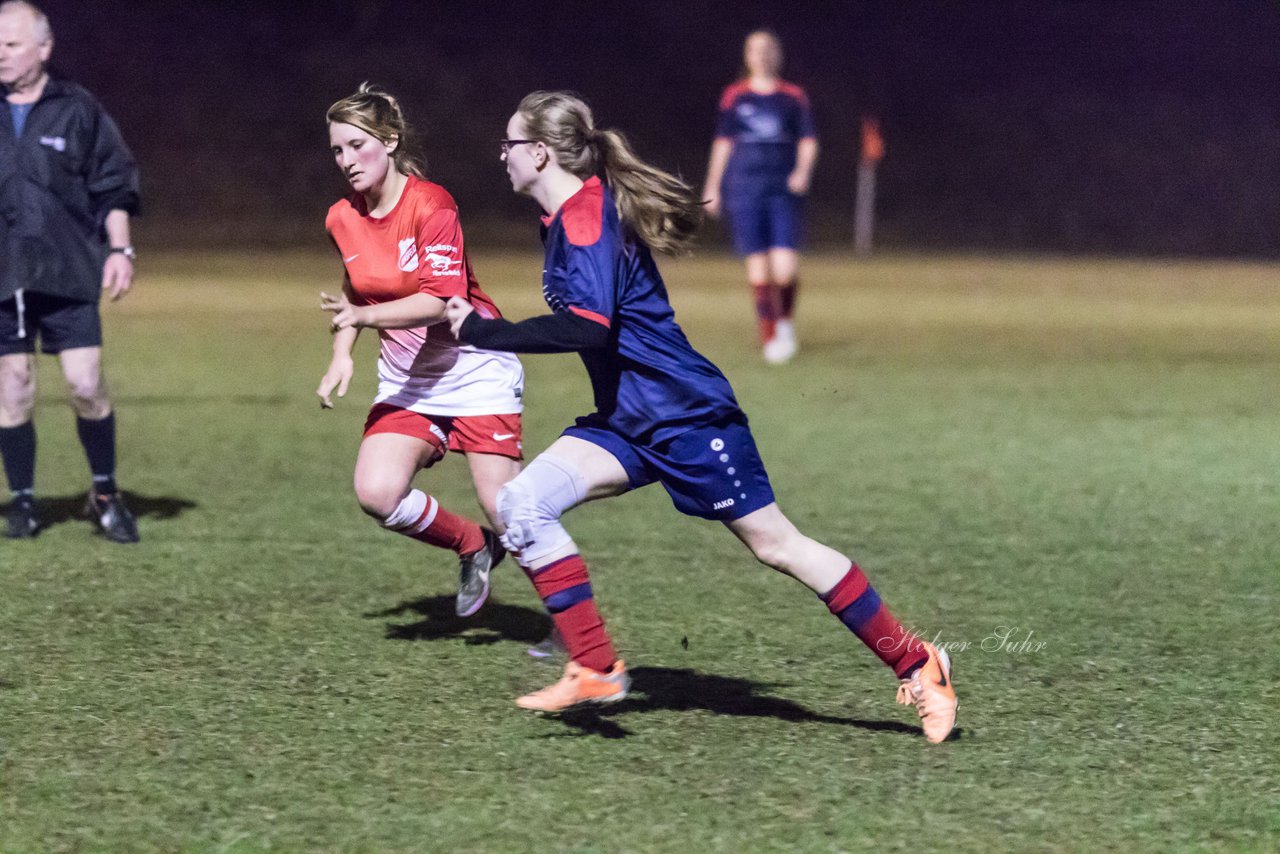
664,413
402,250
758,174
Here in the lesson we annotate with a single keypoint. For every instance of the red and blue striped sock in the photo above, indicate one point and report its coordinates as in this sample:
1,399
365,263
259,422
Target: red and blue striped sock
765,296
565,589
855,602
787,292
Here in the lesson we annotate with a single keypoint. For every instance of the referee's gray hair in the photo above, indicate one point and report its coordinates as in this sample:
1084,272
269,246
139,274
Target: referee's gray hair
40,26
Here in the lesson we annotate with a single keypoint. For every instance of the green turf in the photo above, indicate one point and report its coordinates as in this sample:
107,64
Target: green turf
1080,456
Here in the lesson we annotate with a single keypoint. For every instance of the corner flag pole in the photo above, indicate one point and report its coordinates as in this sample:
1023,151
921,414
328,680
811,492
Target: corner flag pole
864,209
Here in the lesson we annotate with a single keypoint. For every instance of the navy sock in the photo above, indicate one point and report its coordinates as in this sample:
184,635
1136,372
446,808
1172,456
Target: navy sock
18,447
99,441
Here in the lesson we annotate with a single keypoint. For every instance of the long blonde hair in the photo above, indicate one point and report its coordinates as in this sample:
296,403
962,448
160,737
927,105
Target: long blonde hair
378,114
660,209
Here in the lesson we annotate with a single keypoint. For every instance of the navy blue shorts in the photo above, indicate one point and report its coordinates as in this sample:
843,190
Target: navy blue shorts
59,323
713,472
763,222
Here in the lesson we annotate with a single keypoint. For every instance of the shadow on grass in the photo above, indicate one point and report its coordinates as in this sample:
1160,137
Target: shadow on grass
652,688
495,622
71,508
682,690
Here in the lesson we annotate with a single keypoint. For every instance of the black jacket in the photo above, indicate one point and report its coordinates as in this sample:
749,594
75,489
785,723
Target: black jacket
58,182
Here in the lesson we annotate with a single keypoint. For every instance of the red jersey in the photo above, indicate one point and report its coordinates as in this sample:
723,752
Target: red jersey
418,248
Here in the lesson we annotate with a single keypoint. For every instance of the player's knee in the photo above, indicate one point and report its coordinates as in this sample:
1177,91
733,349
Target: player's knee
771,554
89,397
776,550
17,395
16,405
531,517
378,499
517,511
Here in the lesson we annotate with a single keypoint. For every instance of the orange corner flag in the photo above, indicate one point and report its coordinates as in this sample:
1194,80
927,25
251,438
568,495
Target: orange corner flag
872,142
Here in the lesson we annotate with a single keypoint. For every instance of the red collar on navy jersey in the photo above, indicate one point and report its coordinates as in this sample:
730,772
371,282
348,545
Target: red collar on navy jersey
575,199
582,214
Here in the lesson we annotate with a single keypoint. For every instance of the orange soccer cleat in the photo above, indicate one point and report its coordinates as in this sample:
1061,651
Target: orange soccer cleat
929,689
580,686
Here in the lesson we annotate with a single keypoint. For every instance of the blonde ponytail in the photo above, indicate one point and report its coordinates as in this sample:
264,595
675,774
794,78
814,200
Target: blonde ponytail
660,209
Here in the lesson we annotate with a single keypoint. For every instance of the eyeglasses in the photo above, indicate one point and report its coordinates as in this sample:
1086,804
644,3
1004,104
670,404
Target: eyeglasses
508,144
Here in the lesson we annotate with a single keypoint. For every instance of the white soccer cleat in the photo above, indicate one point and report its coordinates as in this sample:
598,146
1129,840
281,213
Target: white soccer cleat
782,347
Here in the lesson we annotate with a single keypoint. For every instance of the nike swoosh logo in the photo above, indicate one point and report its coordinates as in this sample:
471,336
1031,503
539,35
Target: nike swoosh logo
502,437
352,258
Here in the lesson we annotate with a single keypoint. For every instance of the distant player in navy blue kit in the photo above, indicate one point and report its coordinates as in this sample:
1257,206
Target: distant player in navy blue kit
759,173
664,413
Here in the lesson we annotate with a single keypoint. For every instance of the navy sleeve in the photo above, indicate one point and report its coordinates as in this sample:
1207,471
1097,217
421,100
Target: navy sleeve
805,126
726,124
561,332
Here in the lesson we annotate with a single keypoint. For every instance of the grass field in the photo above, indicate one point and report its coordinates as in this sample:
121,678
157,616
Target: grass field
1067,470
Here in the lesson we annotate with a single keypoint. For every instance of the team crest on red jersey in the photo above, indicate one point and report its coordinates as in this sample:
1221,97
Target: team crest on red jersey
408,255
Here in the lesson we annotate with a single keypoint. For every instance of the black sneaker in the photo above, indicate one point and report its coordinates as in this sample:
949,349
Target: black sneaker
473,574
112,518
22,523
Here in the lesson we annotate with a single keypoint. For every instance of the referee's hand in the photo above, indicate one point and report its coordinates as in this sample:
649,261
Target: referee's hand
117,275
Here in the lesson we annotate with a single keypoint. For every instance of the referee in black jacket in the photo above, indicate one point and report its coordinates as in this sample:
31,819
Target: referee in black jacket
68,185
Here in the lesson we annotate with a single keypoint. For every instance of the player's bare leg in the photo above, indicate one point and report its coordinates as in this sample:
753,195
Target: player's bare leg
764,296
385,468
924,672
18,442
96,426
784,266
570,472
489,473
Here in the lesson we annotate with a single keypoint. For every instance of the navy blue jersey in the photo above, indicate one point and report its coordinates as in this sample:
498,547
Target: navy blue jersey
649,382
764,130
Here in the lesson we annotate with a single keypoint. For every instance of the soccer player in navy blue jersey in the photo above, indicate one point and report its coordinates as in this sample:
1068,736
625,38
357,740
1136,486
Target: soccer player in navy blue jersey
663,412
761,165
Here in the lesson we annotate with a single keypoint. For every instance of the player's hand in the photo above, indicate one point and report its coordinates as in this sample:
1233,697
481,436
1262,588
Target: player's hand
345,315
117,275
338,376
711,204
798,184
456,311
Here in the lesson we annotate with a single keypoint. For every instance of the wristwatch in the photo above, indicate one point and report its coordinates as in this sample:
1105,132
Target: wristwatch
126,251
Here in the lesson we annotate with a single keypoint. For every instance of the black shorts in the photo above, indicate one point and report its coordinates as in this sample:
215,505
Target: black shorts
59,323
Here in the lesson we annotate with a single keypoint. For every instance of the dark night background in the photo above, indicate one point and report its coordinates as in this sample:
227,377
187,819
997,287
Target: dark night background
1047,125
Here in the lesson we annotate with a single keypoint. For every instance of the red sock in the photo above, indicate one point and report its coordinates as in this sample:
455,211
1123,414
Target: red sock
766,300
787,292
858,606
565,589
438,527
